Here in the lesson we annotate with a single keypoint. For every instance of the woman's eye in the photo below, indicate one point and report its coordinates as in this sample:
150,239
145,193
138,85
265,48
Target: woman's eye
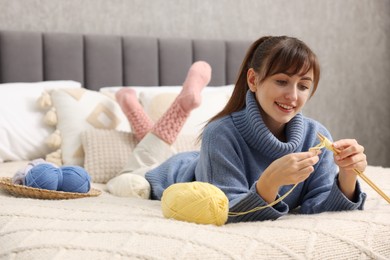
303,87
281,82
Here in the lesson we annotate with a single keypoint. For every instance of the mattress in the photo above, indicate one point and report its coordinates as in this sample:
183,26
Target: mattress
109,227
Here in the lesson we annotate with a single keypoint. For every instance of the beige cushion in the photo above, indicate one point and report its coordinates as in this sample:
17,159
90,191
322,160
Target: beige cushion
107,151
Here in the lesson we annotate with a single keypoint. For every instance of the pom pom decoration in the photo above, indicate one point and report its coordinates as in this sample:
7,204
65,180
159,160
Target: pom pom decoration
44,100
44,176
54,157
198,202
75,179
51,117
54,140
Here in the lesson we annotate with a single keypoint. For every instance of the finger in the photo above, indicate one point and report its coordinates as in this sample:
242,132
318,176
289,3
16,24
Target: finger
304,173
361,166
341,144
309,162
347,147
307,155
358,161
350,151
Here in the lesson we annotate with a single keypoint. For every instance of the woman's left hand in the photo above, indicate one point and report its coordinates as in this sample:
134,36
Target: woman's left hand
351,157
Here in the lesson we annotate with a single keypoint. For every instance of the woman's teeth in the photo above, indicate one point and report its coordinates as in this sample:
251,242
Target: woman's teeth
285,106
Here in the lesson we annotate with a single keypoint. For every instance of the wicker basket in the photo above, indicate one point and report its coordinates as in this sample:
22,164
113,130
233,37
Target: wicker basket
29,192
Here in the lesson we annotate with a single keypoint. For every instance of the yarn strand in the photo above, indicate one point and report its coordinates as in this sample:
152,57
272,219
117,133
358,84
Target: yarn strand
236,214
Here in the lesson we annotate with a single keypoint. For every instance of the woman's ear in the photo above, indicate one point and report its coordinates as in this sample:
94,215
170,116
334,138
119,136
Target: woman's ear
251,79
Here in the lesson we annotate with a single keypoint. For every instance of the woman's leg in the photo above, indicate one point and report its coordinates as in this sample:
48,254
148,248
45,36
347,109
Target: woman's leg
140,122
172,121
155,147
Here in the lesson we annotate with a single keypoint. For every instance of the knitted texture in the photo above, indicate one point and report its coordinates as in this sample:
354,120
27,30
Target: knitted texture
44,176
106,152
170,124
108,227
75,179
140,122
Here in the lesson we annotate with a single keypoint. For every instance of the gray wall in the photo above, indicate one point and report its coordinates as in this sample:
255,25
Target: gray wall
351,38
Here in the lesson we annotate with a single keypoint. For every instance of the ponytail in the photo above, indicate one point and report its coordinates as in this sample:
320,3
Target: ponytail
237,99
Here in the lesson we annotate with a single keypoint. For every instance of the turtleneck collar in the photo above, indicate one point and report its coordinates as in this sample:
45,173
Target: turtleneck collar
250,124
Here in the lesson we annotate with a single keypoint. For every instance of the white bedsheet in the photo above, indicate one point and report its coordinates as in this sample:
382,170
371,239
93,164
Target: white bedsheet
108,227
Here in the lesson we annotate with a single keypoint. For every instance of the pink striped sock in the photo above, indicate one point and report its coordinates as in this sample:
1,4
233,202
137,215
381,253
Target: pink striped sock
172,121
140,122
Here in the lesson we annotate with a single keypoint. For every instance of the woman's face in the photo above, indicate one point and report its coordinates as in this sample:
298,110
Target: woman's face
281,96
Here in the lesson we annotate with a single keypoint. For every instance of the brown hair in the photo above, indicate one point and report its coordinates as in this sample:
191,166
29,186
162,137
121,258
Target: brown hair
269,56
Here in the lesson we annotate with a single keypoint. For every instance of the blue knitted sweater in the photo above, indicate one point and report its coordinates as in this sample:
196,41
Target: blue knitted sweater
236,149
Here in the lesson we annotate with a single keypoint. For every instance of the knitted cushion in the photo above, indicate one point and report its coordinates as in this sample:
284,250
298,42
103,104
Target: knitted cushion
106,151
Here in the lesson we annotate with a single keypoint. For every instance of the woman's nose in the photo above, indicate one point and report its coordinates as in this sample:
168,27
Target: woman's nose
292,93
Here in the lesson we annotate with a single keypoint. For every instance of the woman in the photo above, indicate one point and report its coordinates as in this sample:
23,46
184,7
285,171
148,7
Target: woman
257,147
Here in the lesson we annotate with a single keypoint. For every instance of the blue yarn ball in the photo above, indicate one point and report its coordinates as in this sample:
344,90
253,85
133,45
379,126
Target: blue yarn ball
44,176
75,179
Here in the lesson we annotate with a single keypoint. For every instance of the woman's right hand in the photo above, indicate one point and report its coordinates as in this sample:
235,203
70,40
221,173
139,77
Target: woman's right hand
289,169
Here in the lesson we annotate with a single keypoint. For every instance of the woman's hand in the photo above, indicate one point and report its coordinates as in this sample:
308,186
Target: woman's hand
289,169
351,157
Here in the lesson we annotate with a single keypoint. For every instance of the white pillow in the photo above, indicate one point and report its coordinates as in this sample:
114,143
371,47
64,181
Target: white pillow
156,101
22,131
79,110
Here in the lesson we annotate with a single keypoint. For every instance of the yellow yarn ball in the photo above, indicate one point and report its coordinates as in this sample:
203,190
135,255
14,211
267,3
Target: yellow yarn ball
198,202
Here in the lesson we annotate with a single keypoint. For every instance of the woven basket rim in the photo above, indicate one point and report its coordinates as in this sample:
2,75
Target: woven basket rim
36,193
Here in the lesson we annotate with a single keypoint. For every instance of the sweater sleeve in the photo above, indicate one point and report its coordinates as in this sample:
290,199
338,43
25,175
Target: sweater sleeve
222,163
252,200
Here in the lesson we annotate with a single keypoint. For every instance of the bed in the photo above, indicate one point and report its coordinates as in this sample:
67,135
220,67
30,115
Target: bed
57,103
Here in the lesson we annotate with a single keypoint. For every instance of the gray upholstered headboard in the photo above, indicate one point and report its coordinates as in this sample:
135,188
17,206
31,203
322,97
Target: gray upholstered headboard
107,60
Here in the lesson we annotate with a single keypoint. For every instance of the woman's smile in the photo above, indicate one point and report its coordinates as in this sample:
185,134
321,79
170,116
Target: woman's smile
285,107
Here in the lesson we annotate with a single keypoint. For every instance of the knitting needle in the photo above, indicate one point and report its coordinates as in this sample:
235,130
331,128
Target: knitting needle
361,174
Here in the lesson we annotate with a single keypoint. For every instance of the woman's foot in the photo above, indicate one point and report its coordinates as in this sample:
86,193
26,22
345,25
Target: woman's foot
169,125
129,185
138,119
198,76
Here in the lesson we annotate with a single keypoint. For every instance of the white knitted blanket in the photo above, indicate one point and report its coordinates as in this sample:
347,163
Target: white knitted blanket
108,227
